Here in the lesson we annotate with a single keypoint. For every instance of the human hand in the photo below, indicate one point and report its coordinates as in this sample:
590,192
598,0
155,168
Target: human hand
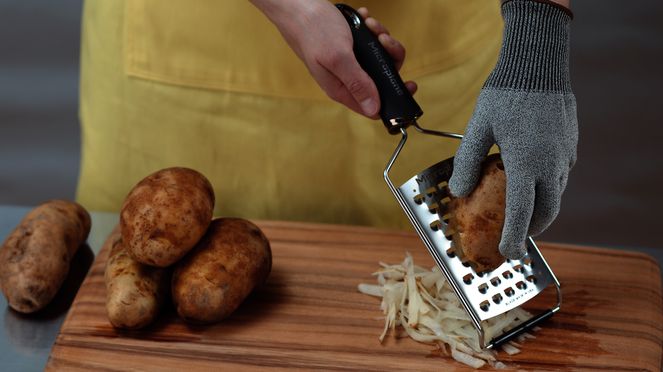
319,35
527,108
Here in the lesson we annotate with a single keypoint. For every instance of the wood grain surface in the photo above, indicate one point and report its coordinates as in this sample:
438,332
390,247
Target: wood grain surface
310,316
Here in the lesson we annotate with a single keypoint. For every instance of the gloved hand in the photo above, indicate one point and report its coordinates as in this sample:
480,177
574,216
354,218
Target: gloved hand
527,108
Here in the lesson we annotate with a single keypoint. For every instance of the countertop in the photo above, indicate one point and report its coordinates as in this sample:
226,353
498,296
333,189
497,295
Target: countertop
26,341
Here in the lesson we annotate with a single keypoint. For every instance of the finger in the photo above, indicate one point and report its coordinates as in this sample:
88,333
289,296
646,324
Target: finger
411,87
394,48
375,26
467,162
334,88
563,179
546,206
356,81
519,206
572,160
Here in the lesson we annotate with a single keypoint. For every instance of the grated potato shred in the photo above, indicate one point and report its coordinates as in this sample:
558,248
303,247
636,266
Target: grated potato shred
425,306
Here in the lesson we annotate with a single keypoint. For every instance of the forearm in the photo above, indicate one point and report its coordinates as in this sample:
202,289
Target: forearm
280,9
562,4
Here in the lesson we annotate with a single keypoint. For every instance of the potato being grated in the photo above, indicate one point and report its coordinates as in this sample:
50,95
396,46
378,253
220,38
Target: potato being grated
423,303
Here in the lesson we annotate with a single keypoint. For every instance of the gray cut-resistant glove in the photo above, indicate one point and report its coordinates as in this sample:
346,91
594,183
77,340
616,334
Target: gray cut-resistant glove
527,108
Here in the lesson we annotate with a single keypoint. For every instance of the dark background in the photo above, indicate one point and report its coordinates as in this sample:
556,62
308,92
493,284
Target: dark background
613,196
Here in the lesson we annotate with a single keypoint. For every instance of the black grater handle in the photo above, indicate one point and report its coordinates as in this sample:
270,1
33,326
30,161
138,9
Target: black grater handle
398,109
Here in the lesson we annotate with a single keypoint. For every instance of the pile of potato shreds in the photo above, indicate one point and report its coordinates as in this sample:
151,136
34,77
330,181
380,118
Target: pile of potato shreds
424,304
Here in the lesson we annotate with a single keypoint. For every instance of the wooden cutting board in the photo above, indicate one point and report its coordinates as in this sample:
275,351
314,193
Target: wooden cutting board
310,316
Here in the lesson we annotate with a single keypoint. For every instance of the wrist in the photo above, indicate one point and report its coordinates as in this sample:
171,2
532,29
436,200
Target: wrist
285,12
535,48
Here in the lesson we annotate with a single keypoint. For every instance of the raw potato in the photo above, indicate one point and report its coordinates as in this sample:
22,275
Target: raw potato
135,293
478,219
35,257
225,266
165,215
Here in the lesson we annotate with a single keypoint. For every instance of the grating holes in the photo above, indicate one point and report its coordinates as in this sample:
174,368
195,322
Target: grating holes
430,191
451,253
467,279
445,200
521,285
527,261
484,305
531,279
449,234
419,198
466,263
509,291
507,274
446,217
495,281
497,298
433,208
483,288
519,268
436,225
442,185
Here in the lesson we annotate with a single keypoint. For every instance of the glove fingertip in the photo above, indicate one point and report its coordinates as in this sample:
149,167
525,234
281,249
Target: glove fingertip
460,186
538,230
539,224
513,251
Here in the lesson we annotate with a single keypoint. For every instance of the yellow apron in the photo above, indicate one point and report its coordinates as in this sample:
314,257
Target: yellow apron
211,85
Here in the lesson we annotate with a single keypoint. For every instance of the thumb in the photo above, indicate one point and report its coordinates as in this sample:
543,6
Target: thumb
360,86
467,162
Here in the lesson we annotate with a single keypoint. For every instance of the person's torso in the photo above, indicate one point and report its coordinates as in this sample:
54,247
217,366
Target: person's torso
230,45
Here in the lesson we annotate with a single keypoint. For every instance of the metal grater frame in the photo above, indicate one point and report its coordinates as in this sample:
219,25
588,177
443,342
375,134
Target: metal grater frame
483,295
422,201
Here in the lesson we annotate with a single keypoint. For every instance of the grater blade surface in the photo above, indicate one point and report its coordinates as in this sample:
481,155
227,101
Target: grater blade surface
488,294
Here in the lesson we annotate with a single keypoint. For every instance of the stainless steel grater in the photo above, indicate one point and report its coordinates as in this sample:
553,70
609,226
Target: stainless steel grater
424,197
483,295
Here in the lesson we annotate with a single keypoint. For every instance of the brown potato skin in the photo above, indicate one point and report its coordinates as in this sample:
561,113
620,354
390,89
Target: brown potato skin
35,257
165,215
135,293
232,259
478,218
